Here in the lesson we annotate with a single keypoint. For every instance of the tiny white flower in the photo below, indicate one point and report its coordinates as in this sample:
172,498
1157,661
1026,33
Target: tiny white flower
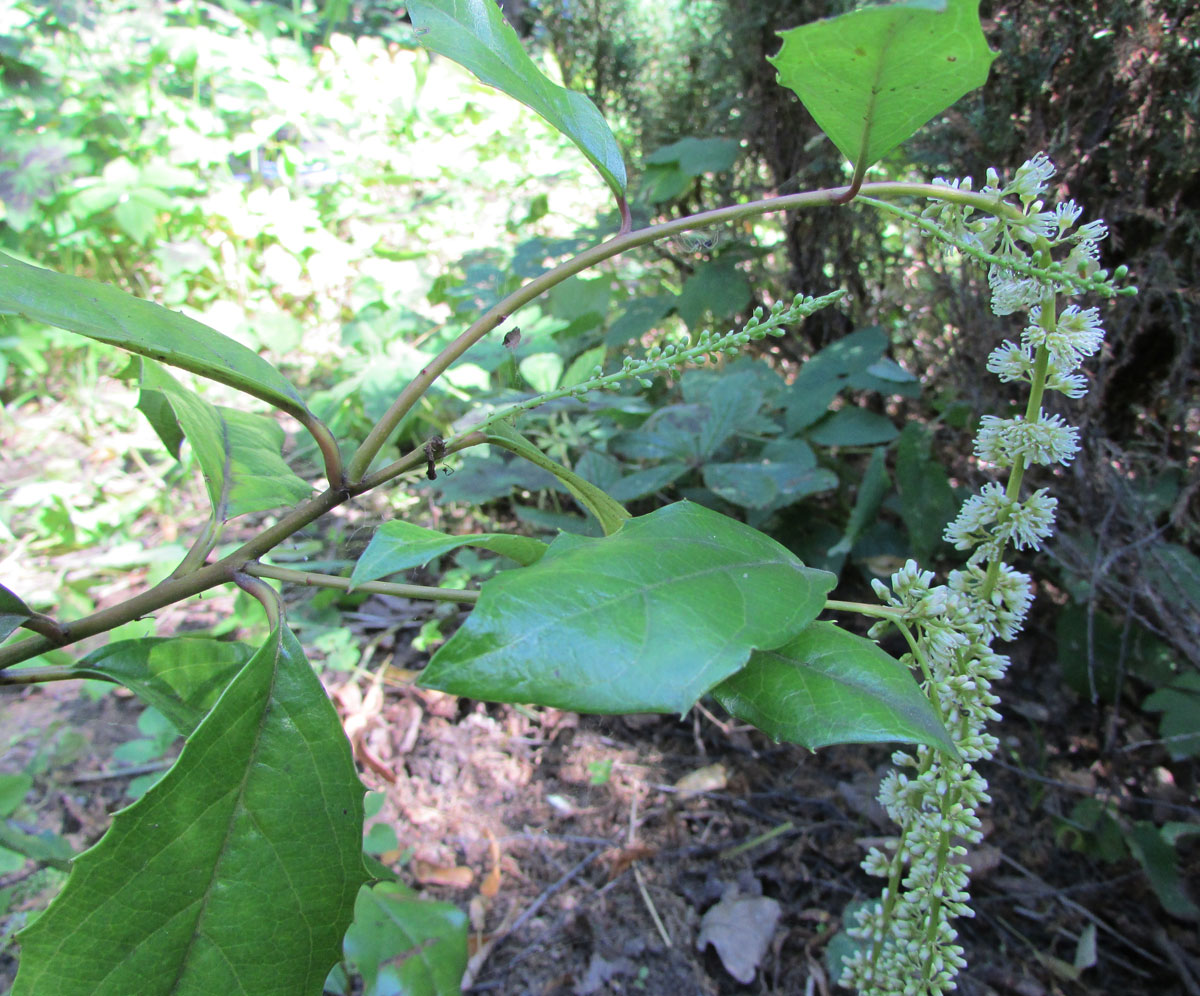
1011,291
1010,362
1066,214
1040,225
1032,178
1045,440
1093,231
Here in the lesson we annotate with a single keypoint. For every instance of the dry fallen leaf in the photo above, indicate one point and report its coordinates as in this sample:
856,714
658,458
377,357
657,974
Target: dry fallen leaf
490,885
619,859
455,876
740,928
711,778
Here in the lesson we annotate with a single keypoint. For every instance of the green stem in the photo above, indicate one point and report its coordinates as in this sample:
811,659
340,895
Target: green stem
350,482
266,596
1033,412
38,675
866,609
331,455
200,549
310,579
500,312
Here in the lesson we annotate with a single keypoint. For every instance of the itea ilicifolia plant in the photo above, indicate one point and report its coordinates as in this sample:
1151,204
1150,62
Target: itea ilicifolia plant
242,869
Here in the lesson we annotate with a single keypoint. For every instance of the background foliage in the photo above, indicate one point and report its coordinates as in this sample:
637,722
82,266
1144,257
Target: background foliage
255,165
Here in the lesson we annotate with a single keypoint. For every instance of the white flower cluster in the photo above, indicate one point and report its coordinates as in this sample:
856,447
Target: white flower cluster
907,941
1006,234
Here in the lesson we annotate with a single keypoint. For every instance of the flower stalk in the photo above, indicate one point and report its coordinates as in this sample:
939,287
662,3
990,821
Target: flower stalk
907,941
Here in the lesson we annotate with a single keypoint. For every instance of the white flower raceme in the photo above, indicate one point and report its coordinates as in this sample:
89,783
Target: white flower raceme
1043,440
990,520
907,941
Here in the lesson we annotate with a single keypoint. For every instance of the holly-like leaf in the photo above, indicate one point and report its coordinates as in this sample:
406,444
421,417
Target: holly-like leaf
827,686
872,77
235,874
645,620
182,677
108,314
397,546
238,452
475,35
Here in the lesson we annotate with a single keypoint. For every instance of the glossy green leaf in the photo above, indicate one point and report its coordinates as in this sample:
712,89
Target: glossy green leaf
766,483
872,77
608,512
238,452
645,620
833,368
235,874
13,612
853,427
398,546
827,686
182,677
474,34
1160,861
404,945
108,314
926,498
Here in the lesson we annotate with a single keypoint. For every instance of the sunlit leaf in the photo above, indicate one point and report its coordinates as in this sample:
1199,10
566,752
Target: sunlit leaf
397,546
474,34
645,620
235,874
239,452
872,77
108,314
608,512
